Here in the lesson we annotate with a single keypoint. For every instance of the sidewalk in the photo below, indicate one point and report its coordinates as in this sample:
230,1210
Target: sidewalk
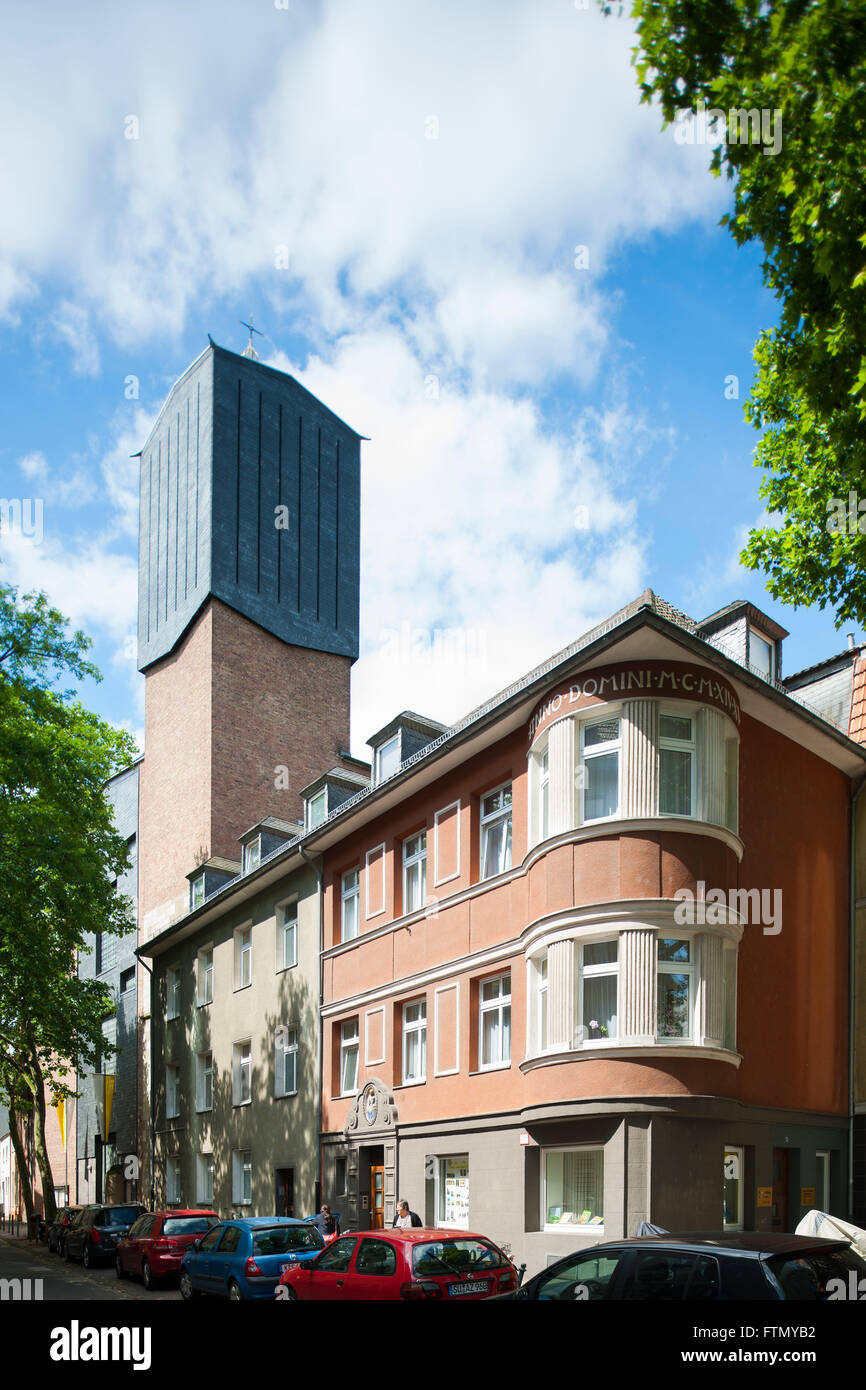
15,1231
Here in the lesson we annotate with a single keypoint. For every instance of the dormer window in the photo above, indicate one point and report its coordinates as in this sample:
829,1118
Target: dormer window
252,854
761,655
196,891
317,809
388,758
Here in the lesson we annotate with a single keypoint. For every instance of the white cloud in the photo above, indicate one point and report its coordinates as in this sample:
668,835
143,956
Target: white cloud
71,323
33,465
93,586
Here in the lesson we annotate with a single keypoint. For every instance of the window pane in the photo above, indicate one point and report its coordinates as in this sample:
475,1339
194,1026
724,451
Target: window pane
574,1187
600,953
606,731
601,797
675,726
599,1006
673,1005
675,782
582,1279
674,950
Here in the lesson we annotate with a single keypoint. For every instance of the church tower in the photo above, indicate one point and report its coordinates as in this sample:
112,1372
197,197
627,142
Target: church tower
247,613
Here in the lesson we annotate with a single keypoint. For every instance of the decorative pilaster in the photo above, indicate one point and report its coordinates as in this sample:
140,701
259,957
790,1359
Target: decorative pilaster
560,747
640,758
711,751
560,994
712,1011
637,985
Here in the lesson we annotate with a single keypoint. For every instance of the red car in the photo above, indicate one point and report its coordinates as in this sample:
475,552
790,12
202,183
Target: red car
417,1263
158,1241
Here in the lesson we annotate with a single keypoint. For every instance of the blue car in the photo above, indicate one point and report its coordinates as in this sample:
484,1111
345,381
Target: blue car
243,1258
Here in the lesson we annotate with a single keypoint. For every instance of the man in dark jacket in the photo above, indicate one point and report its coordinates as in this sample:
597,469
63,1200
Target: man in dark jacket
404,1217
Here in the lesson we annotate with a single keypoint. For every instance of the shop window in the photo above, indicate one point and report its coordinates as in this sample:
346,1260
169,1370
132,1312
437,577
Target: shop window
452,1202
573,1188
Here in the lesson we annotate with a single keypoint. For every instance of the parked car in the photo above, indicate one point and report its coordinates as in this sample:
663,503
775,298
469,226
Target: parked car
158,1241
92,1237
702,1267
413,1264
243,1258
57,1230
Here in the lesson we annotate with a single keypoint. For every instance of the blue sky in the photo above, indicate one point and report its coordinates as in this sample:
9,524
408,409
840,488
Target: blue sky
396,193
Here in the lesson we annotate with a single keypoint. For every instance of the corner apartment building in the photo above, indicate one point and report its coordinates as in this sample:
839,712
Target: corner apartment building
586,953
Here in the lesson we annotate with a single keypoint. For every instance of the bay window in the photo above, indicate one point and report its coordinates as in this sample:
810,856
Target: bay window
598,991
676,764
600,748
675,975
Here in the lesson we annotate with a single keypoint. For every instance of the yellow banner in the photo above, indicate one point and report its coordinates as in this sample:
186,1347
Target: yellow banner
60,1107
103,1090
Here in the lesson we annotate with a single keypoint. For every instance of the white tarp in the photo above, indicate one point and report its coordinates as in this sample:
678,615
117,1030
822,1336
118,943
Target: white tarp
819,1223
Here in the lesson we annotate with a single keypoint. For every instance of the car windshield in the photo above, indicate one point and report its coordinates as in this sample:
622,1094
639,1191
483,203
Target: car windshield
188,1225
277,1240
455,1257
818,1275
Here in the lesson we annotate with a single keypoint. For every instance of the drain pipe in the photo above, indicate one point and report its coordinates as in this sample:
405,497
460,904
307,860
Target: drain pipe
152,1097
852,997
317,870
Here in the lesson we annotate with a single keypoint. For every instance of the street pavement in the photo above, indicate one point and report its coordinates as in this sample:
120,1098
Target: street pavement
64,1282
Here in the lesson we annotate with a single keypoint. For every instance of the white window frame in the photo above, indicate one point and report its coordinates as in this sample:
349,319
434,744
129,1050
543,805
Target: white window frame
492,819
439,1193
172,1091
759,637
350,894
600,750
285,1046
252,854
348,1043
591,972
173,1186
205,976
242,1072
498,1005
243,944
675,967
287,913
542,1015
203,1081
315,805
381,751
242,1177
204,1178
196,892
676,745
415,867
411,1029
569,1226
172,992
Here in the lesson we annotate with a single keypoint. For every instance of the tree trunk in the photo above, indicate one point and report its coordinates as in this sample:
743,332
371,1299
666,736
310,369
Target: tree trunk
20,1159
49,1207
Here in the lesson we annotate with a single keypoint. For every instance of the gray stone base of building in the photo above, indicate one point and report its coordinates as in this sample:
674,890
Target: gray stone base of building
682,1166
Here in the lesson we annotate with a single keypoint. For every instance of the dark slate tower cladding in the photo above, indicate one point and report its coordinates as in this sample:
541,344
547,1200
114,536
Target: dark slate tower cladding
250,493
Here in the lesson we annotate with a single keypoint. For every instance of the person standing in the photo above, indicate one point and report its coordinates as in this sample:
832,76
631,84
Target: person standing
326,1223
404,1218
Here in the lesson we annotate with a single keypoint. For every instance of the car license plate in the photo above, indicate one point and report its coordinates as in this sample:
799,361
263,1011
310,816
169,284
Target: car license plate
284,1267
472,1286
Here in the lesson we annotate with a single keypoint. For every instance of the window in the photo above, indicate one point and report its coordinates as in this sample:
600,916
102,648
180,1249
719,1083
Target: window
350,905
494,1026
676,764
597,991
584,1278
205,975
541,981
671,1275
822,1180
172,1181
675,974
732,1188
376,1257
414,872
544,794
573,1187
108,1055
415,1041
286,1062
127,980
204,1081
349,1038
287,936
204,1178
172,1092
317,809
243,957
172,993
252,854
388,758
453,1196
242,1177
496,831
600,742
761,655
242,1065
106,952
196,891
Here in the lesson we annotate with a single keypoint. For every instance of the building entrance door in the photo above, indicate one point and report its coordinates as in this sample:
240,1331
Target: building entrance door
780,1190
377,1196
285,1194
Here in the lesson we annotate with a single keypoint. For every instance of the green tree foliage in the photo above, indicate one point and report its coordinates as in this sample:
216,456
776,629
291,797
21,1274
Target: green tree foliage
803,63
60,855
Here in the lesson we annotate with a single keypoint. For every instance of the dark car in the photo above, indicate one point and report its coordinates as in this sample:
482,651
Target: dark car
93,1235
703,1267
56,1235
158,1241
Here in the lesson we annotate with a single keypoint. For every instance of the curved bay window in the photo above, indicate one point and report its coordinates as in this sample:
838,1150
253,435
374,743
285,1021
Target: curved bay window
635,760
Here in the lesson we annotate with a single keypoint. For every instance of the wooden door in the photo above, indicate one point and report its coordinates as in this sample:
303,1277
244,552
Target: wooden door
377,1196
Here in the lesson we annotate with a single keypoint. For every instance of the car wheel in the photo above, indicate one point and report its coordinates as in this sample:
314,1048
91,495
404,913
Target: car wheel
235,1294
87,1258
147,1277
119,1270
186,1289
